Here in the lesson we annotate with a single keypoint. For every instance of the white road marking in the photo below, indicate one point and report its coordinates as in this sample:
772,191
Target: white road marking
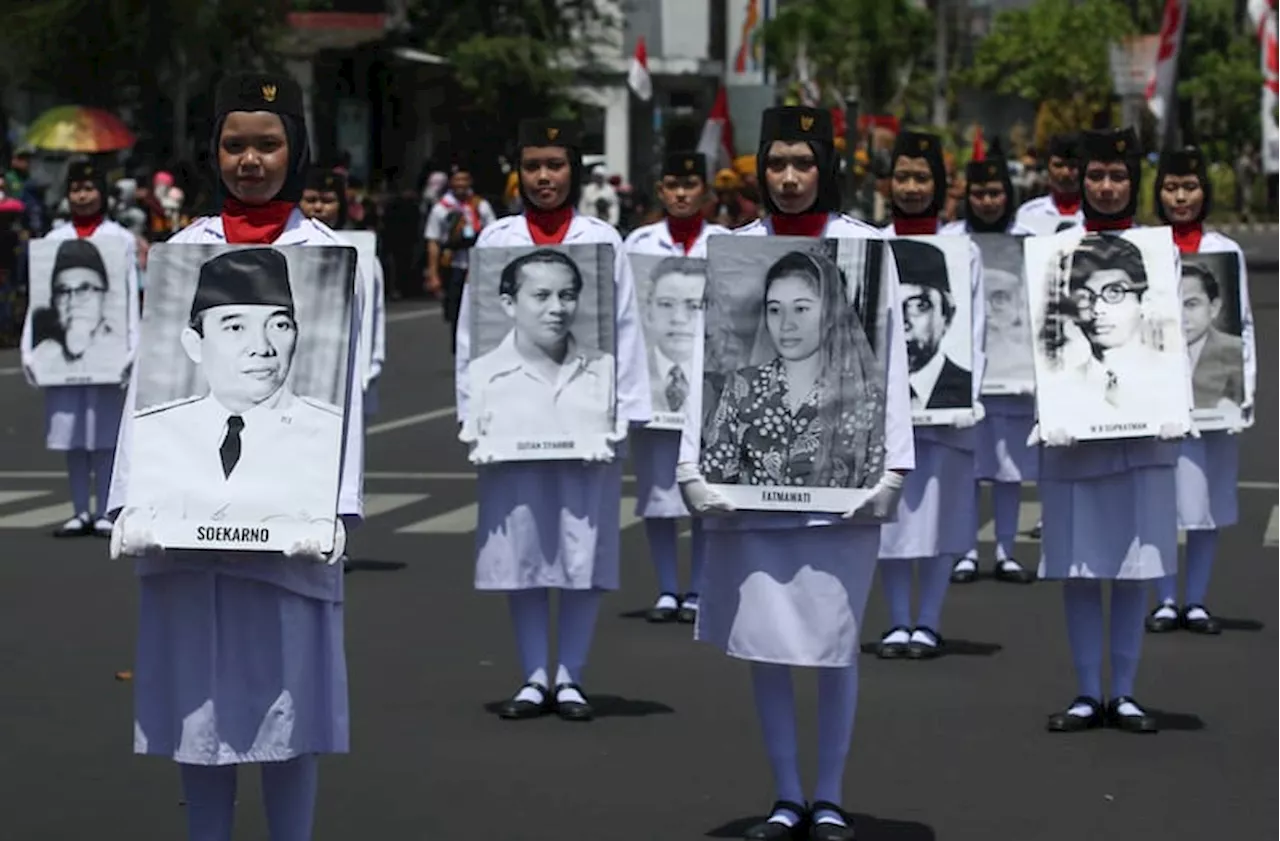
17,496
1272,535
37,518
458,521
9,372
627,513
411,420
375,505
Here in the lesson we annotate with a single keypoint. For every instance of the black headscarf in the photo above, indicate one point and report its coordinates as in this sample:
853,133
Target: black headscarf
800,124
324,180
278,95
994,168
1111,146
1188,160
914,144
86,170
563,134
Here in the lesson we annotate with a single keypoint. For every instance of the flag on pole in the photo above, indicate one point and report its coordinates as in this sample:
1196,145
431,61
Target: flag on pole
638,78
717,136
1164,78
1263,15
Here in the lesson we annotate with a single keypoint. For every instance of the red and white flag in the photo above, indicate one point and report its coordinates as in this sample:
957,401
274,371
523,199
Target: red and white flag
638,78
1263,15
1161,90
717,136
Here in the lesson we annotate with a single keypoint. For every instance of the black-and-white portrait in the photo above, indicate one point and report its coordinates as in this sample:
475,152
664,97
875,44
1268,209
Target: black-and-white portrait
241,395
543,367
795,362
935,288
78,320
1212,325
1010,367
1110,357
669,290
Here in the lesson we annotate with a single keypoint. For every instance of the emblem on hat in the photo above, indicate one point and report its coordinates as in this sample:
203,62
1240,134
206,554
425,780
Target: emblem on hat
1120,145
1193,162
88,171
268,93
806,122
991,170
924,144
552,132
688,164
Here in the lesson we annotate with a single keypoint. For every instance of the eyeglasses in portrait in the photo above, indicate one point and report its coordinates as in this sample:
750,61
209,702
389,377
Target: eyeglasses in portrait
1110,357
669,290
937,313
543,366
1212,323
78,321
241,395
794,358
1010,368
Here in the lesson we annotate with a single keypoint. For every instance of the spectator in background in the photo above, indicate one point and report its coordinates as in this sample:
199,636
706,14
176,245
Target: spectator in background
730,207
452,228
401,243
1246,171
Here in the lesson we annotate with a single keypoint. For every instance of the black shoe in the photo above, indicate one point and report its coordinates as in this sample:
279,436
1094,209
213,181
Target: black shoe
1163,624
1140,723
1011,572
573,710
688,612
920,651
892,650
1035,531
79,526
663,614
516,709
829,831
966,575
1205,625
1065,722
774,831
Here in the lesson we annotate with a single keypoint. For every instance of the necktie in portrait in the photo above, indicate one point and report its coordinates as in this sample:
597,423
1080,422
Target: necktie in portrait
230,449
677,388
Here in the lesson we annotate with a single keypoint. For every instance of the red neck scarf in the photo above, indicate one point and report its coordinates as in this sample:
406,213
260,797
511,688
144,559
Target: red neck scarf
799,224
1067,205
548,227
915,226
1187,236
1095,225
86,225
684,232
254,224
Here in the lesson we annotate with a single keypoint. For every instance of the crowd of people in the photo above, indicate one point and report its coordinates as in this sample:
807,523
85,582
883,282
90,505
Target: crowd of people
232,643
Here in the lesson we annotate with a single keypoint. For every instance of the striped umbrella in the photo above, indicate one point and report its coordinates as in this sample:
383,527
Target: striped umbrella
72,128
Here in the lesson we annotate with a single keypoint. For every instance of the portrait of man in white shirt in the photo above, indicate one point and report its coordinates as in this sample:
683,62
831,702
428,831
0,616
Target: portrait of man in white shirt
541,380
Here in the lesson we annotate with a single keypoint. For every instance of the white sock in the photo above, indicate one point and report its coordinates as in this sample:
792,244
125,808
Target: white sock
689,603
666,602
1195,613
968,563
567,696
76,522
829,817
1129,708
1166,611
923,638
898,637
784,817
528,693
1082,710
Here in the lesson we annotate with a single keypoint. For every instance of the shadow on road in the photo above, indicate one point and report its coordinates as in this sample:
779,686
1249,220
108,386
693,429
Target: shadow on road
868,828
952,647
374,566
610,706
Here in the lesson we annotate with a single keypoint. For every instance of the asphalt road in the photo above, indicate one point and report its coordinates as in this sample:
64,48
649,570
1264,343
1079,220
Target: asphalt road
952,749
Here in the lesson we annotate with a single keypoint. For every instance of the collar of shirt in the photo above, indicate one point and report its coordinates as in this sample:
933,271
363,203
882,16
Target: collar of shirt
665,365
256,417
926,378
575,363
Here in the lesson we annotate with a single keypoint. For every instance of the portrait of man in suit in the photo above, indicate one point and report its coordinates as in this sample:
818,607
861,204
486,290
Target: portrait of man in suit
928,309
670,319
1217,357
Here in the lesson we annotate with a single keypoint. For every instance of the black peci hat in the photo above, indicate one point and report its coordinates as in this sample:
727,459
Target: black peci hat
1189,160
1065,146
685,163
325,180
796,124
1109,145
564,133
79,254
259,92
252,276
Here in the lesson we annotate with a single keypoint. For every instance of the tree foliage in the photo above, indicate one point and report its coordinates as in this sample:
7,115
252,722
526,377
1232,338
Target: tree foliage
1219,79
865,46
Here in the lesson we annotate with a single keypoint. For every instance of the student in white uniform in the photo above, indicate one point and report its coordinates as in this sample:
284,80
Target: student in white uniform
1003,457
1208,466
937,507
554,525
325,199
671,308
1061,208
240,654
786,590
1110,507
84,420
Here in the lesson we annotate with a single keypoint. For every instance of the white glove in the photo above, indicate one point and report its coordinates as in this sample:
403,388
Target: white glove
1171,432
131,537
968,421
309,549
699,497
883,499
1246,415
1033,440
1058,438
467,433
620,429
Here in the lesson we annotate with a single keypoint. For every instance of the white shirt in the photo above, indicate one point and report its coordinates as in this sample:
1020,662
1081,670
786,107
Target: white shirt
656,239
1040,216
961,226
373,325
437,229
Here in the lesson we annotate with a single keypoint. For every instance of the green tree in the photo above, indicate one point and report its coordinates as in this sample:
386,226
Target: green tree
867,46
1219,80
1050,53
